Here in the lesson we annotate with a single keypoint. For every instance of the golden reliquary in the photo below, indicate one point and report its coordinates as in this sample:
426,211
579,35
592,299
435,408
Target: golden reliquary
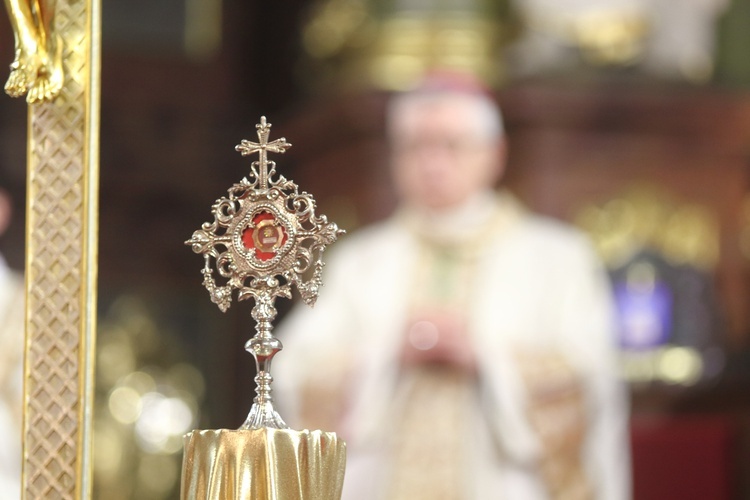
264,239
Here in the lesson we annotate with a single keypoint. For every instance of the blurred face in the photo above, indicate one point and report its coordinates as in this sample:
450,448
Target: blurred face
441,157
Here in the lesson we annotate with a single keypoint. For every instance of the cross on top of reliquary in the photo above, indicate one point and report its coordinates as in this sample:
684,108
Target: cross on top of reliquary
262,147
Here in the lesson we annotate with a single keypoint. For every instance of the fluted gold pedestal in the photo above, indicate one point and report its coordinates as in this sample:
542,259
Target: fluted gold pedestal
263,464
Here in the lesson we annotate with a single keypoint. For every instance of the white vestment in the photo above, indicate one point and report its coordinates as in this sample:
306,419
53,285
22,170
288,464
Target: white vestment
11,380
537,286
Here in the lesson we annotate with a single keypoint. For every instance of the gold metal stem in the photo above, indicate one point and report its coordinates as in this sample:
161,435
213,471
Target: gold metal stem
263,346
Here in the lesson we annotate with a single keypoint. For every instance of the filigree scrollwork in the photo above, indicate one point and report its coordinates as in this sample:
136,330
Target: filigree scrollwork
265,231
264,239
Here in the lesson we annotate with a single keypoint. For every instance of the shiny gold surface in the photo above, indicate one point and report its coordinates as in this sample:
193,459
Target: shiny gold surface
393,45
61,225
410,47
646,217
614,36
37,68
262,464
671,364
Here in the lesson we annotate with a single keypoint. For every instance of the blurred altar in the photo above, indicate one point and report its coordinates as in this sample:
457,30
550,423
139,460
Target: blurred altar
628,118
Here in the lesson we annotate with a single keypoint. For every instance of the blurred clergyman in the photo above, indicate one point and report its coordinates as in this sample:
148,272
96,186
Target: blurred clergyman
463,347
11,366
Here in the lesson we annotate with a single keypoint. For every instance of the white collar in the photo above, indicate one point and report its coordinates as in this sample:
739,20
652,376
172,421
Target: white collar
459,224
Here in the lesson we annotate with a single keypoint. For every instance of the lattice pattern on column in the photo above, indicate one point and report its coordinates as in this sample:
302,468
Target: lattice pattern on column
60,280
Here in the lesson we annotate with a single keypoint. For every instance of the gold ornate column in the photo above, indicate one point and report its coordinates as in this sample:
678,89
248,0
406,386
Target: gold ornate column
57,62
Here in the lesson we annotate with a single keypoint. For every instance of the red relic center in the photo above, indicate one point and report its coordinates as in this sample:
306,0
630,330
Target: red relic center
265,235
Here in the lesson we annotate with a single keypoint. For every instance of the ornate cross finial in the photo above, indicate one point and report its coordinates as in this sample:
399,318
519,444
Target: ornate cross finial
262,147
264,239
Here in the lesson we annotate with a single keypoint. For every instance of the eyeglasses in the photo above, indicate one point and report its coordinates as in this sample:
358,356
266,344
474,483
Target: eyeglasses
451,146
